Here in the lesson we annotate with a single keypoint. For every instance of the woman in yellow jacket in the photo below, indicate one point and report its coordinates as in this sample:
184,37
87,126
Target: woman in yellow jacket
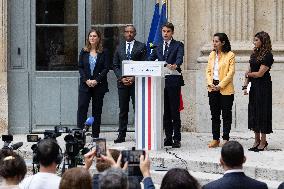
219,73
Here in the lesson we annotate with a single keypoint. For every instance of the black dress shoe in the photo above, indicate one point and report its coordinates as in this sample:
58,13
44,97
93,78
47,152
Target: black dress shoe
119,139
168,142
261,149
253,148
176,144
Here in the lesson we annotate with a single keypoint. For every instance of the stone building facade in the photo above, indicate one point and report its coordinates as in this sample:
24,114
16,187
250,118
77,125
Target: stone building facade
195,23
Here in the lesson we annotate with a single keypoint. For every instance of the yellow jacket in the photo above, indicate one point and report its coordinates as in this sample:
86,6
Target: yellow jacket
226,71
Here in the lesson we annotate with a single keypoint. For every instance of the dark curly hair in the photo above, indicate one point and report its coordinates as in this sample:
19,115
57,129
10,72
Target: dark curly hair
224,38
12,165
265,48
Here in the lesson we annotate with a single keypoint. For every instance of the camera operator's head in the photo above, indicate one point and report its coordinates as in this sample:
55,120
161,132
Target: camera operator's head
102,165
113,178
48,153
12,167
76,178
232,155
179,178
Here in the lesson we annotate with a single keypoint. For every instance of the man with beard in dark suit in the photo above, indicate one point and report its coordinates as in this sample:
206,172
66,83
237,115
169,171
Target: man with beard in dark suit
130,49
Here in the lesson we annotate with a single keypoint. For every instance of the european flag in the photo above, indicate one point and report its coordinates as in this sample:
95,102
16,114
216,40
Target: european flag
162,20
154,24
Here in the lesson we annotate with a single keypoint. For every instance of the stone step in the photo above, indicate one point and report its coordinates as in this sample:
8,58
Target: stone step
207,165
204,178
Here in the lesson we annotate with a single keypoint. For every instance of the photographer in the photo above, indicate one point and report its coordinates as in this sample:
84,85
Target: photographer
12,168
49,156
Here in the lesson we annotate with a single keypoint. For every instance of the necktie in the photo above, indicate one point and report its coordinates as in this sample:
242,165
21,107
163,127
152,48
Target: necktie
166,50
128,51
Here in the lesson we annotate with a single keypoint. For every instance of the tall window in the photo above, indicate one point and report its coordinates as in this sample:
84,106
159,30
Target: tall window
110,17
56,34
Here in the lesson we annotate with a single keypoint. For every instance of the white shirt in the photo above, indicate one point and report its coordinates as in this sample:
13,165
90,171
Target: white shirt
131,46
41,181
164,45
215,69
234,171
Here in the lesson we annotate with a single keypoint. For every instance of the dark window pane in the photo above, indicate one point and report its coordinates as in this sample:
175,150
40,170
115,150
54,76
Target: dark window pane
56,11
112,11
56,48
112,37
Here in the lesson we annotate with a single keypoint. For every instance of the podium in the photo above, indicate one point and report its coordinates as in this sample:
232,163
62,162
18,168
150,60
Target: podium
149,101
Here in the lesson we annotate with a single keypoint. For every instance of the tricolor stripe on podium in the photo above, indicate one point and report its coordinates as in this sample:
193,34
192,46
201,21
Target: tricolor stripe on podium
145,113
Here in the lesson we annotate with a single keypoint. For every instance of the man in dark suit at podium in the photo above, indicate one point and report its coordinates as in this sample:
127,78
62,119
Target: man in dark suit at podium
130,49
172,52
232,160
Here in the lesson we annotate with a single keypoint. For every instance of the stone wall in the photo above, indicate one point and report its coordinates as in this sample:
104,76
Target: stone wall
3,67
196,22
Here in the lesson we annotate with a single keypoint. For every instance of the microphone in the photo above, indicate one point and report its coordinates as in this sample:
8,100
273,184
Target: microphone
16,145
89,122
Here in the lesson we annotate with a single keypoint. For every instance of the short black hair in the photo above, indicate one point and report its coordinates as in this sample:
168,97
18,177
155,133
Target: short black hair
48,152
168,25
179,178
12,165
224,38
130,25
232,154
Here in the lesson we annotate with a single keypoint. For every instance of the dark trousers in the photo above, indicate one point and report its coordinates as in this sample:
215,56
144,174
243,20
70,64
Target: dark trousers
124,95
172,123
83,106
221,103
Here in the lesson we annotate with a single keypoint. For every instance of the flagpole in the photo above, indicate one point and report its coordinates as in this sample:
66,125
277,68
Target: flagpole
167,5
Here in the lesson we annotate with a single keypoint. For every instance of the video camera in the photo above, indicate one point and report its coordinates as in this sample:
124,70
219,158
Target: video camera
48,134
133,159
7,139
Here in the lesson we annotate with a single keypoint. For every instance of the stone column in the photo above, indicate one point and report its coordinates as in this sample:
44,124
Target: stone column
3,67
277,35
236,19
177,12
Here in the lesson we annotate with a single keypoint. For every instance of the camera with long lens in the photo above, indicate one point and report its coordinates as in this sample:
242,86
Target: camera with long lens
48,134
133,159
7,139
53,134
75,147
75,144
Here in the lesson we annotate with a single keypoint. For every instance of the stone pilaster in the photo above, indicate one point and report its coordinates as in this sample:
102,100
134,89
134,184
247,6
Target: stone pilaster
3,67
236,19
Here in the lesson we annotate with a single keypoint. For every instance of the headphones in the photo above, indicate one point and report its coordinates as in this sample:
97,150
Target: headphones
52,144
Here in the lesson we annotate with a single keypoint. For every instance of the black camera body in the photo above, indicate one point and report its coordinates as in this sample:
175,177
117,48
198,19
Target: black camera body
75,141
48,134
75,147
7,138
133,159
